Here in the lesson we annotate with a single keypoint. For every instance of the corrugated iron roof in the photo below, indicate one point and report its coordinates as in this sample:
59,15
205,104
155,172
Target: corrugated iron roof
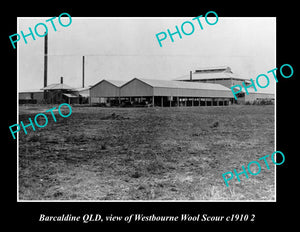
209,76
31,91
183,85
84,94
214,68
70,95
117,83
58,86
82,88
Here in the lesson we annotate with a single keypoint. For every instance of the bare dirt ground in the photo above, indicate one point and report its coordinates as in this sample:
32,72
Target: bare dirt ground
175,153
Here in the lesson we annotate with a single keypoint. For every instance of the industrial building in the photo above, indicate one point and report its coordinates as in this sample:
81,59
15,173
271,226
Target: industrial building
217,75
224,76
253,96
203,87
175,93
139,91
55,94
31,96
59,93
106,92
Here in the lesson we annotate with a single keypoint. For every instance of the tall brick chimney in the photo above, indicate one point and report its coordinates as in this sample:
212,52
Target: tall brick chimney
83,72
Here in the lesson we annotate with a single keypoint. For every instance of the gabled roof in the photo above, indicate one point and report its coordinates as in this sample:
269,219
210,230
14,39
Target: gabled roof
182,84
117,83
58,86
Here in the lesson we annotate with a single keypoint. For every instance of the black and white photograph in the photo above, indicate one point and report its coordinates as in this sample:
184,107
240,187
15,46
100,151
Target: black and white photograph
136,109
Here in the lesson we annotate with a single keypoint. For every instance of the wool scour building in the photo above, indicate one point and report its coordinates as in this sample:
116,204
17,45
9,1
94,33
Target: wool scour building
224,76
175,93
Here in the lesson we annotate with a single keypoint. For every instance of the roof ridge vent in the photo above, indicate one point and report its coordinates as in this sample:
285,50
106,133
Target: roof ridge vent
214,69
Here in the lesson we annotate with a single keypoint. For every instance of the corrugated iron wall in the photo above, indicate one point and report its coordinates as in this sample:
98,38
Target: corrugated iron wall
104,89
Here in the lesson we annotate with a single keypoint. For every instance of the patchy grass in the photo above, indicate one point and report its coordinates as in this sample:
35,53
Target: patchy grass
147,154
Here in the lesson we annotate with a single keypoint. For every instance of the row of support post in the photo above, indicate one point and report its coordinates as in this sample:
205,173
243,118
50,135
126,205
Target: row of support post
183,101
163,101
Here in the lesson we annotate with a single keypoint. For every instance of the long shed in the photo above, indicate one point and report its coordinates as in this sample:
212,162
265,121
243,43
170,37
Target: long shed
163,92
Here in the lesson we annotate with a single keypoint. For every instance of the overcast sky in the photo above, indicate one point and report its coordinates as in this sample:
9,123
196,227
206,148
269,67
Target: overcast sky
125,48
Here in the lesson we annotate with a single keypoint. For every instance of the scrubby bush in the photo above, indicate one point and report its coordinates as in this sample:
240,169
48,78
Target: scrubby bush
260,102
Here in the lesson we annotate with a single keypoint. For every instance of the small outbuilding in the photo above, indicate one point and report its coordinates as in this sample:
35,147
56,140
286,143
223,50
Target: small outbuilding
31,96
59,93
